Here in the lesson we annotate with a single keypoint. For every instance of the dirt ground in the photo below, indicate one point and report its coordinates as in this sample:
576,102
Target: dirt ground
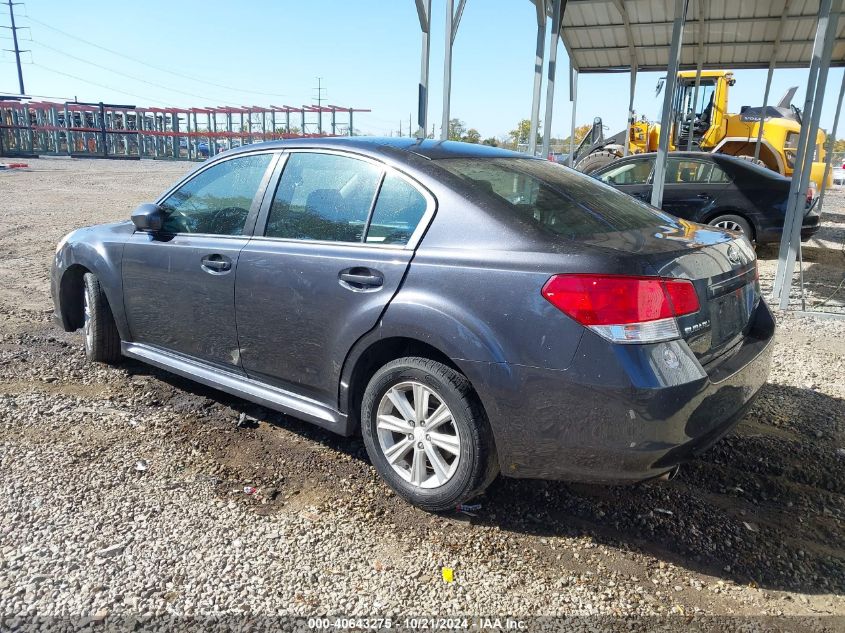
753,527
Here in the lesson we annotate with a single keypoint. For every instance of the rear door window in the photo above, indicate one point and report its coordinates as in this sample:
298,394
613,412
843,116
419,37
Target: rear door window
323,197
685,171
718,175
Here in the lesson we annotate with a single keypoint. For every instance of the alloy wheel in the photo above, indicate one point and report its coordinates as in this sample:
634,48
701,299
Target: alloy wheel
417,435
730,225
86,322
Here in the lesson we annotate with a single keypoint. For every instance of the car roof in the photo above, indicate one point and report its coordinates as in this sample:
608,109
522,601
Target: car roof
719,159
427,148
705,156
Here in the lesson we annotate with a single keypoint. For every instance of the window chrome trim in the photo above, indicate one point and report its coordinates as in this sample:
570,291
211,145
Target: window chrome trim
386,170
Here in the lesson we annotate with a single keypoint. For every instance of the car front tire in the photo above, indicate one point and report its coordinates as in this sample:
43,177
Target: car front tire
427,434
102,341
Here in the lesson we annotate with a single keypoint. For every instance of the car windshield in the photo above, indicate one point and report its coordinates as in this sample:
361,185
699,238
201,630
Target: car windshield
557,199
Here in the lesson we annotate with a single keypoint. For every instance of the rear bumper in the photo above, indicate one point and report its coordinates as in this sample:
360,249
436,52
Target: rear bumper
620,413
809,227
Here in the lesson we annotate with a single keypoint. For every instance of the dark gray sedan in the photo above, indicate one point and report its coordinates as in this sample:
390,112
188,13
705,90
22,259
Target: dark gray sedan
467,309
716,189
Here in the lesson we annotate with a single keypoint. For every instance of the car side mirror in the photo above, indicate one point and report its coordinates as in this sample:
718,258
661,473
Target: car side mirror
148,217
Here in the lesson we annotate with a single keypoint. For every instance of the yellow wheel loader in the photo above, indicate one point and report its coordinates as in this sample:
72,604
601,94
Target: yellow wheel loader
703,115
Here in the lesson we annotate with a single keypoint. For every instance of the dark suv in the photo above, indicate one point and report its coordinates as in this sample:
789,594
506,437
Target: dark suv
468,309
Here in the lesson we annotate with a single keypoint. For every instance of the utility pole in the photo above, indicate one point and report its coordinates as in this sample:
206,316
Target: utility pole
17,51
320,91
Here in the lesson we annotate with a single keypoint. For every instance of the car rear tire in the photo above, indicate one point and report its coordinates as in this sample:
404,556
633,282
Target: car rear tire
596,160
427,434
102,341
734,223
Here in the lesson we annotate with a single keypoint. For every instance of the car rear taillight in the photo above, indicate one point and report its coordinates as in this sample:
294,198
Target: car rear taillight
624,309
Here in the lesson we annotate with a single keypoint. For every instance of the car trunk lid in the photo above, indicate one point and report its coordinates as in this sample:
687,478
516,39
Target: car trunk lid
722,266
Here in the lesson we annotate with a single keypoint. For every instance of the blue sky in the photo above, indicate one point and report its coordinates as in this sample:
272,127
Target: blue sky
366,51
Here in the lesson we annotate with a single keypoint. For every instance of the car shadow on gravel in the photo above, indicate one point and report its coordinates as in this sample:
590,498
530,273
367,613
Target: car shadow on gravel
765,506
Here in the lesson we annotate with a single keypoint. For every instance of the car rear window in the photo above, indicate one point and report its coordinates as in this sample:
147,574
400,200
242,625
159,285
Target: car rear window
557,199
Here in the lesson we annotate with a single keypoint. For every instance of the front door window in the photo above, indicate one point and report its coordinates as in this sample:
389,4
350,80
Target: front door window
216,201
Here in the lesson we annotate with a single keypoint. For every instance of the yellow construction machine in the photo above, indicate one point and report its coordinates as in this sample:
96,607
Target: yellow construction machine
702,114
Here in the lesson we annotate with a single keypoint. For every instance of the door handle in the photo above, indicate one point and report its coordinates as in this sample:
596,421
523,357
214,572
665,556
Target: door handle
216,263
704,196
360,278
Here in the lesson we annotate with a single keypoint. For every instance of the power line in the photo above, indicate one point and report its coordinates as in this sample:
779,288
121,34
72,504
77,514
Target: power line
124,74
93,83
158,68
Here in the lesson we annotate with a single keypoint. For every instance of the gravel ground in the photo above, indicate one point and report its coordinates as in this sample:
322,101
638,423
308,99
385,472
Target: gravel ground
128,492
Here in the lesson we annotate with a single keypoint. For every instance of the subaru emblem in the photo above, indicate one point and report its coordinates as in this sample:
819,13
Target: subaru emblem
733,254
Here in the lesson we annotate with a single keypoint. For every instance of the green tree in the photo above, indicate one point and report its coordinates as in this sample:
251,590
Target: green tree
521,133
457,129
472,136
491,141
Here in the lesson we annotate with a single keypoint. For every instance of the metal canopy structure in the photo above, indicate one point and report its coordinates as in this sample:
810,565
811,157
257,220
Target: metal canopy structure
599,34
603,36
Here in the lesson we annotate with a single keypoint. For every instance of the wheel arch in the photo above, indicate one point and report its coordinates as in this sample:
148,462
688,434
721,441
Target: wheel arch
745,216
368,356
100,258
71,287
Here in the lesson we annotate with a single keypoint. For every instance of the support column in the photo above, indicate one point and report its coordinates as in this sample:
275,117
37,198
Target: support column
69,141
772,64
453,20
633,89
791,237
447,72
539,58
573,97
832,140
550,86
701,36
424,14
666,116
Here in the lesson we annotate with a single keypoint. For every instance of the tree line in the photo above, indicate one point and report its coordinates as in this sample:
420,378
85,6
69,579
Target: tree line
516,138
